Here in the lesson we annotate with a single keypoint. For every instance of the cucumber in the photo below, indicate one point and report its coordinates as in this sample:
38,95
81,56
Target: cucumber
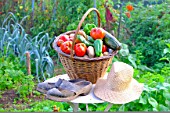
89,38
98,43
111,41
82,39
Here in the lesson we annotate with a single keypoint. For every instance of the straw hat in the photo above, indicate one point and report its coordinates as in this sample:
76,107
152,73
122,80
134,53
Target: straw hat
120,87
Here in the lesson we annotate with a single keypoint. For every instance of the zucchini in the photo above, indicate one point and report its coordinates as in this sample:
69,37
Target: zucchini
111,41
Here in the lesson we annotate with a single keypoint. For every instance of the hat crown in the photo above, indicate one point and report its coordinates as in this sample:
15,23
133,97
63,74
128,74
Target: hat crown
120,76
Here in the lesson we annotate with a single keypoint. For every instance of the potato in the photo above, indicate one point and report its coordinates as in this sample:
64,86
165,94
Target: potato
90,52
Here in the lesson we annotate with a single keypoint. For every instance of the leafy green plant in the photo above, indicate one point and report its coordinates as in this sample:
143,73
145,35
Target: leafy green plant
42,106
14,40
2,110
39,52
135,59
152,99
166,54
13,77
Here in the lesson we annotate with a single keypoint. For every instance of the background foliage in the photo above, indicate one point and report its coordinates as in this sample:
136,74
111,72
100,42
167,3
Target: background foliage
150,32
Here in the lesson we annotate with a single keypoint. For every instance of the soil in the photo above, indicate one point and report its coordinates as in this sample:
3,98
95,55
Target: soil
9,97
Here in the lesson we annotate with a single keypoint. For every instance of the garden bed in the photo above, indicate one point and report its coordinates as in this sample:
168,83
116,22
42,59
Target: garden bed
10,100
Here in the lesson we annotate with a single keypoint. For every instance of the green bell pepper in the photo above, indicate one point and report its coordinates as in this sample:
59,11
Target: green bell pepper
87,28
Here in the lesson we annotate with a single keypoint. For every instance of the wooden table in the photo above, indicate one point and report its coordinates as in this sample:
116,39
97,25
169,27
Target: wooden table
88,99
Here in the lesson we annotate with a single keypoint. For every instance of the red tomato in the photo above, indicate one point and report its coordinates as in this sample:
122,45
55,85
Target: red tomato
128,14
77,41
59,42
104,48
66,47
97,33
62,38
80,49
129,7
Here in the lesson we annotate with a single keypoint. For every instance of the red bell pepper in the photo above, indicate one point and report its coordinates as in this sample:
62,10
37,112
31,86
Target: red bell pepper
62,38
104,48
80,49
97,33
66,47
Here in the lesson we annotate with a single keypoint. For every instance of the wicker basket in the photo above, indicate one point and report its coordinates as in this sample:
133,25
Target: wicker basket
79,67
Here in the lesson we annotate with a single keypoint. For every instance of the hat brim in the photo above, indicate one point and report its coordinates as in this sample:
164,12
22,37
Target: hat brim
132,93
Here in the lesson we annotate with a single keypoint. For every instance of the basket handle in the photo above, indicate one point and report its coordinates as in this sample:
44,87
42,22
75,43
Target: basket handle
80,24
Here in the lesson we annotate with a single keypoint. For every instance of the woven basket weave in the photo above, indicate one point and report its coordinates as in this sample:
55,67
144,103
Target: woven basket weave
79,67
